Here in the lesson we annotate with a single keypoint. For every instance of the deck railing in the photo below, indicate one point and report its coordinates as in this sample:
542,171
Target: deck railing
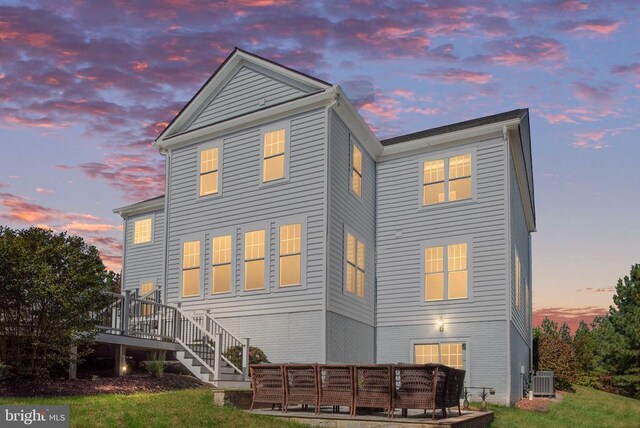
144,317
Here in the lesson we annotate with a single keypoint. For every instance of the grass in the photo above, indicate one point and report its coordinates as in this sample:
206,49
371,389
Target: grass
194,408
183,408
585,408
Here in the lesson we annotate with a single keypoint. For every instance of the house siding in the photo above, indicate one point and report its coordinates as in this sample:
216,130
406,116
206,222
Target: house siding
347,212
247,204
243,94
520,357
349,341
144,262
485,355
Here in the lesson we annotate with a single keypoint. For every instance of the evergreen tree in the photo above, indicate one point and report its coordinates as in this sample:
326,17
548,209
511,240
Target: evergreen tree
584,349
565,333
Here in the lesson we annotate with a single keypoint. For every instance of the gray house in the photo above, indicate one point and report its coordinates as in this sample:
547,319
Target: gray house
289,222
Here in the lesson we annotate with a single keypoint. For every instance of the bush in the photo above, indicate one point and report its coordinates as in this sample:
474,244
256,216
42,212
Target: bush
234,355
5,371
557,355
155,363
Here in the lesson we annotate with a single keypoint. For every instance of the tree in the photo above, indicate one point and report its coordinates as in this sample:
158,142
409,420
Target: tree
554,353
49,285
565,333
584,349
618,336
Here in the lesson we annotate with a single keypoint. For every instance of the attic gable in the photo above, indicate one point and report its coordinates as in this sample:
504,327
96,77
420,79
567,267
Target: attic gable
244,83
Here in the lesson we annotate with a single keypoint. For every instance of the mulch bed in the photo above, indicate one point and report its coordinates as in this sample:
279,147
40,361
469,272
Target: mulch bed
131,384
538,404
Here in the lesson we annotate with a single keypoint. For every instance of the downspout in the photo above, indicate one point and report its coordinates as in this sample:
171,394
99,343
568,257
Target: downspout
507,191
327,210
167,175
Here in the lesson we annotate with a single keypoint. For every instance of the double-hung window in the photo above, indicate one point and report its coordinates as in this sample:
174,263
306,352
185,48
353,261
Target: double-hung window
221,264
446,272
254,260
290,254
146,292
142,231
355,277
209,171
191,269
274,156
356,170
447,179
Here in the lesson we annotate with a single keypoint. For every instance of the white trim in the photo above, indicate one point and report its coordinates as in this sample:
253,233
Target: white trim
215,233
191,238
356,124
302,221
136,219
140,208
367,247
444,242
252,227
286,125
464,340
353,142
218,144
446,156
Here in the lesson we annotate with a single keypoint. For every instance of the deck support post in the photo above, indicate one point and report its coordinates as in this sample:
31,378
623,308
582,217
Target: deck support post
125,312
73,363
245,359
217,356
121,361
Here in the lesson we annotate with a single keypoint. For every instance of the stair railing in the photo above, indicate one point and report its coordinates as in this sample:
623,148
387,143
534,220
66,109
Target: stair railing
227,341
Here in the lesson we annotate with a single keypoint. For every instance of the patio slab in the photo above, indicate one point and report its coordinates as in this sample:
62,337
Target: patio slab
415,419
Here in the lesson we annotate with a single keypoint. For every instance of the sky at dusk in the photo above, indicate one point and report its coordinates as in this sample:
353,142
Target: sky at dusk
85,87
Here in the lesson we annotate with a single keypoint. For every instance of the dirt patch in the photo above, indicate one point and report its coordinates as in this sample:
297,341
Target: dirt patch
538,404
132,384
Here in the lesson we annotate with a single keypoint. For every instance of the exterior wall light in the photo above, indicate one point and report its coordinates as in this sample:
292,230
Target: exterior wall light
440,324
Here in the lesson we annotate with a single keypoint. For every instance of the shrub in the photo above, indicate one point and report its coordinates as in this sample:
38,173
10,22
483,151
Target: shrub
5,371
155,363
557,355
256,355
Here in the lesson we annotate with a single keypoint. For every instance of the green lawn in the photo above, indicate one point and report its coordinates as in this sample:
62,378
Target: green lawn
585,408
195,408
184,408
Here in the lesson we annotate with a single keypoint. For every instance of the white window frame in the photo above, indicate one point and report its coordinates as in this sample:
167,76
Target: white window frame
466,239
367,268
206,146
286,125
302,221
518,279
353,142
446,156
266,226
133,221
233,232
189,238
466,354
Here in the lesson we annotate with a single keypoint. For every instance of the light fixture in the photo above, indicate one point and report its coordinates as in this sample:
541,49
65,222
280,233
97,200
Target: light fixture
440,324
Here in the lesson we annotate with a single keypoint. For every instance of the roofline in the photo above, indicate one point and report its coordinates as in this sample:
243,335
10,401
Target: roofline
236,51
153,204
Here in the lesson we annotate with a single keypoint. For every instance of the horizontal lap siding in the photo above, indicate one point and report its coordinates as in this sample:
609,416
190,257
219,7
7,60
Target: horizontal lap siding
349,341
243,94
403,226
144,262
243,204
520,356
359,215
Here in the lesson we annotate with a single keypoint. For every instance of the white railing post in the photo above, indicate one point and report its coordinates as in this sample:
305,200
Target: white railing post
125,312
245,359
217,356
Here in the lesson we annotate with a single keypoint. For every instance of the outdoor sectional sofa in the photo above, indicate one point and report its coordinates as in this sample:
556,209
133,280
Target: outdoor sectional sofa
380,386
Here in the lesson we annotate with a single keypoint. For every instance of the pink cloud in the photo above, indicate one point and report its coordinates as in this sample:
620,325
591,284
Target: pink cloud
44,191
20,210
572,316
456,75
592,26
592,93
608,290
403,93
89,227
525,51
383,108
590,140
557,118
425,111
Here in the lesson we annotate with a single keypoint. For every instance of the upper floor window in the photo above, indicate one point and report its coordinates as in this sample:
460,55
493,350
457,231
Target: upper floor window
356,170
518,279
355,266
254,260
191,269
274,146
290,254
209,165
446,272
142,231
446,180
221,264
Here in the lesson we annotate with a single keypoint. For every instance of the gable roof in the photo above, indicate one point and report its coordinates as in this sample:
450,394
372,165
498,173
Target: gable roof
152,204
459,126
229,65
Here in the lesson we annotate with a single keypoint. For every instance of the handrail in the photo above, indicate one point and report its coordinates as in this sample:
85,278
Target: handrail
228,340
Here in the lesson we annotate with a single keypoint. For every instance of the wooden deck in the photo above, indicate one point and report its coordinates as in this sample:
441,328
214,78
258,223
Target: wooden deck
415,419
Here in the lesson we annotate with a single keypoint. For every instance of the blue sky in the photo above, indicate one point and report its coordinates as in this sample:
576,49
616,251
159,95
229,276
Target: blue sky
86,86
